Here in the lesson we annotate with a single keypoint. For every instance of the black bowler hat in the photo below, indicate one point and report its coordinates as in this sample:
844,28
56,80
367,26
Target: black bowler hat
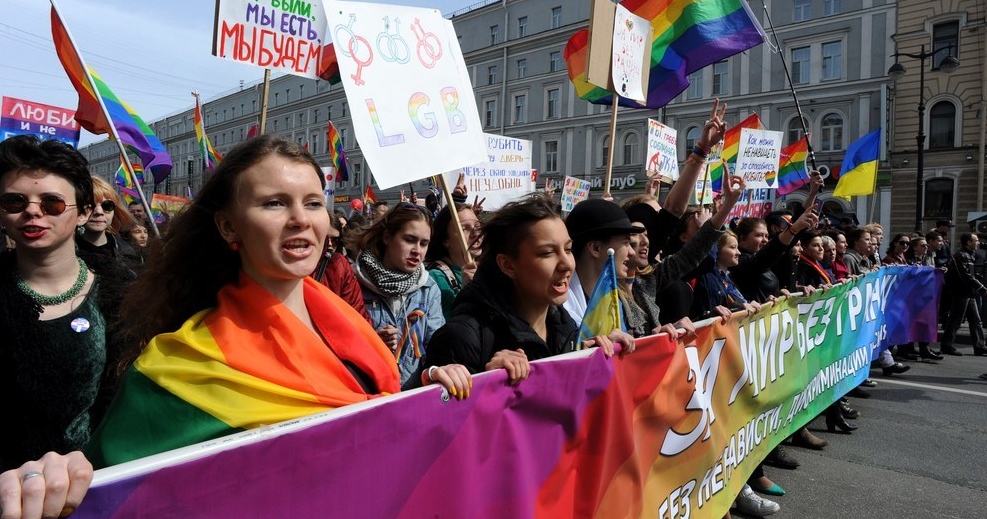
596,219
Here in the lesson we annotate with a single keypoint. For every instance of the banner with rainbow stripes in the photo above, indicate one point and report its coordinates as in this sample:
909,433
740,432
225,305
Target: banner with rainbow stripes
673,426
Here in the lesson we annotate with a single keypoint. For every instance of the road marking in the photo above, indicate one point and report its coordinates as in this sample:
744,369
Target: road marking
937,388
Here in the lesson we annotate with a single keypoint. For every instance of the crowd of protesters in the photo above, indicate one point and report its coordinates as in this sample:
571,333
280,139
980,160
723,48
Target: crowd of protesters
401,297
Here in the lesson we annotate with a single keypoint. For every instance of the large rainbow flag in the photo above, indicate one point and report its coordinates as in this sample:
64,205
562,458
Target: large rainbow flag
126,184
688,35
337,155
730,149
673,426
792,172
603,311
123,122
210,159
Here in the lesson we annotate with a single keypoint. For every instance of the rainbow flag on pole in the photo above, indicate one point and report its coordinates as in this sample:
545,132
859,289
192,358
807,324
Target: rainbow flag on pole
210,159
688,35
126,184
603,311
123,124
731,146
793,173
337,154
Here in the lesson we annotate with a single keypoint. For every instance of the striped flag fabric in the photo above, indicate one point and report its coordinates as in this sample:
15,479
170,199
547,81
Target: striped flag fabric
792,171
688,35
126,184
210,159
123,122
731,147
252,132
603,311
337,155
214,377
369,196
859,169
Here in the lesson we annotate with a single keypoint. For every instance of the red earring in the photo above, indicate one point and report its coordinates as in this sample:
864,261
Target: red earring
234,245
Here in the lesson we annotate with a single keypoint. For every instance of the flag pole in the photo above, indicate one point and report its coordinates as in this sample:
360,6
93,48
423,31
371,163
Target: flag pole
113,129
263,102
613,141
451,204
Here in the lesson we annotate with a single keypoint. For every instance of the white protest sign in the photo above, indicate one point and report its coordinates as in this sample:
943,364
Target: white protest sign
505,176
703,194
281,35
631,54
574,190
757,158
753,203
662,151
330,191
410,97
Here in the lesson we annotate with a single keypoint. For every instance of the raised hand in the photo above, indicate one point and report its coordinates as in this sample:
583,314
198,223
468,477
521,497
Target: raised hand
460,189
403,198
478,205
715,127
733,187
549,187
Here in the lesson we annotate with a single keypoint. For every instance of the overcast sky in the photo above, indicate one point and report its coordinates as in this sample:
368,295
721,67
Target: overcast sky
151,53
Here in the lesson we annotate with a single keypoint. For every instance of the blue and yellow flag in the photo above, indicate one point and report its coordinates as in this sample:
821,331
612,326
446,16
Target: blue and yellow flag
603,311
859,170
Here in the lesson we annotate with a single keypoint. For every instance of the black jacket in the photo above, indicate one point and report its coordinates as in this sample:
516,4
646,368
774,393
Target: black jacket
961,277
483,322
754,276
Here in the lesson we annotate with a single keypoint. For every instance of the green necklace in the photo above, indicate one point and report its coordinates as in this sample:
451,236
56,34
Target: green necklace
44,300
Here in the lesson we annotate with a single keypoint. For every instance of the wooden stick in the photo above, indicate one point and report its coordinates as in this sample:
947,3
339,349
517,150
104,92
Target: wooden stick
613,143
455,217
263,102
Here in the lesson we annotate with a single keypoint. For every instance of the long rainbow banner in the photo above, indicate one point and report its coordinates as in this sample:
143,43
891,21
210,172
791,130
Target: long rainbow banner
671,430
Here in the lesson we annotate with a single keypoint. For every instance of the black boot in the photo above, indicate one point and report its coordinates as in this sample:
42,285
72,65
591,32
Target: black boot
835,420
926,352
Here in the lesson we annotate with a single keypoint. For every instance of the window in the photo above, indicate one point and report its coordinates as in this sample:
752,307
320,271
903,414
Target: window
721,80
794,131
604,150
315,115
832,133
520,108
494,34
522,26
630,148
556,17
695,85
490,113
329,113
939,198
942,125
522,68
803,10
944,36
344,109
287,95
555,61
342,137
800,66
691,138
832,60
491,74
276,99
552,103
832,7
551,156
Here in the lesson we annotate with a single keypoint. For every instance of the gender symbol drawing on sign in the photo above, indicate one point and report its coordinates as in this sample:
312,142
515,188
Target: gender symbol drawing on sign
427,42
352,47
393,41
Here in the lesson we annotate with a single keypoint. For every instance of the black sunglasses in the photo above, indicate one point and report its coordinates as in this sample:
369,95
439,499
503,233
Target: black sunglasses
108,206
17,203
904,242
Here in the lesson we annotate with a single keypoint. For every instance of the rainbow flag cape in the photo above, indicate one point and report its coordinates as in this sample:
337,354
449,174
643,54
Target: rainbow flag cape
126,184
337,154
603,311
731,146
859,170
123,123
792,172
688,35
219,374
210,158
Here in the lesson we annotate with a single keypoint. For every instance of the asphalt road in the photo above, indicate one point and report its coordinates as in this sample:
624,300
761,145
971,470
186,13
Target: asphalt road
920,450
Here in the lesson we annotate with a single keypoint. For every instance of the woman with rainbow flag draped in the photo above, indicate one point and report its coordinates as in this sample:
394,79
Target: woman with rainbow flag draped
243,339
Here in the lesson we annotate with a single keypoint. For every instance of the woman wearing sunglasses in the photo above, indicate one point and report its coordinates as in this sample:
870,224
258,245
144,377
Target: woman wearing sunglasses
56,307
101,234
404,303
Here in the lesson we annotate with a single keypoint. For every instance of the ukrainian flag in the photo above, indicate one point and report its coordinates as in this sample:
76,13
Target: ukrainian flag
859,171
603,312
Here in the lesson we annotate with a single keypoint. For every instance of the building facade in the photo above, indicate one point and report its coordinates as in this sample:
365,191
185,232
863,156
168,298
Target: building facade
514,51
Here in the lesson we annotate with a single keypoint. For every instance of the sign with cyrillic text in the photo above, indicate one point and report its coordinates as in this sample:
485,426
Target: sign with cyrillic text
758,157
21,117
574,190
505,176
663,155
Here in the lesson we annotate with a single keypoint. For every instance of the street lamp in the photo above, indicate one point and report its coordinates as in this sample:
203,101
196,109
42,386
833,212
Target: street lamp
897,71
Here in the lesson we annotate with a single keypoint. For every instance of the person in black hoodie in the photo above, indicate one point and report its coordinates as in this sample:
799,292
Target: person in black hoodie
512,311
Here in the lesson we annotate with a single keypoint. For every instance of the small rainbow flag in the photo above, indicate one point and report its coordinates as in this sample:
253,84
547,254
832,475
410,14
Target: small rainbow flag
793,173
337,154
603,311
688,35
731,146
210,158
330,65
126,184
93,92
369,196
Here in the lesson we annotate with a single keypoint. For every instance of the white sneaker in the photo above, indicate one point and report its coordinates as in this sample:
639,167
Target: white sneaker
750,503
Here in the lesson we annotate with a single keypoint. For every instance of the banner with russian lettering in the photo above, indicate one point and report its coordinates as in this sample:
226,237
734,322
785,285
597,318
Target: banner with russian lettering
21,117
670,431
505,176
281,35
